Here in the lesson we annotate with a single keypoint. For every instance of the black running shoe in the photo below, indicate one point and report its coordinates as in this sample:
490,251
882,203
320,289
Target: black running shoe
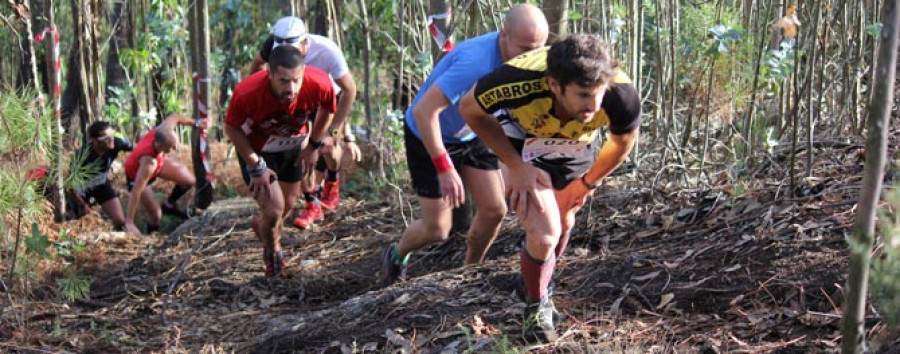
274,263
174,211
391,272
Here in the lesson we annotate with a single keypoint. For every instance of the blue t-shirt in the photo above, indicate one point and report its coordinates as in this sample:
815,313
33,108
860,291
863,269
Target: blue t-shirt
455,74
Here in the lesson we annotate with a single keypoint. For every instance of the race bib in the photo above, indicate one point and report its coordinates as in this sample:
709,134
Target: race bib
553,147
280,143
463,132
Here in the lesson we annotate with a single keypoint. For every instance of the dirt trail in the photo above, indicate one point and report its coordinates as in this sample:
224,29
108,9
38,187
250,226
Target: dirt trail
717,269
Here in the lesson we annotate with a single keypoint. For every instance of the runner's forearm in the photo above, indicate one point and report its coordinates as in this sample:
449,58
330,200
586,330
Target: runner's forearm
427,116
242,145
345,103
489,131
611,155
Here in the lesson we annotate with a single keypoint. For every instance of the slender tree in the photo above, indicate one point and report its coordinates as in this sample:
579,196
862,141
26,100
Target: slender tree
200,156
439,10
367,89
557,12
120,21
51,45
873,176
83,96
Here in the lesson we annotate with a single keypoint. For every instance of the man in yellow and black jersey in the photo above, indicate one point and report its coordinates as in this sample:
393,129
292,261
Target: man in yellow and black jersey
540,112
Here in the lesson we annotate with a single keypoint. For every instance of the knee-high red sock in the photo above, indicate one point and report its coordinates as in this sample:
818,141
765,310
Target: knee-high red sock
536,274
561,246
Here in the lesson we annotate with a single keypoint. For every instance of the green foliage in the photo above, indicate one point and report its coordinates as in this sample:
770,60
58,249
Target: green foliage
68,245
37,243
118,106
702,38
25,125
722,39
74,285
874,30
25,135
885,274
778,65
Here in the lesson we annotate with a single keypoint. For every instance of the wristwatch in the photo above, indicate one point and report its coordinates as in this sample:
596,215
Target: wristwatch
588,185
315,144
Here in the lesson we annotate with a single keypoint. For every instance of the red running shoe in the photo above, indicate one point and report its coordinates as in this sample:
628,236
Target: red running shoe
309,215
330,196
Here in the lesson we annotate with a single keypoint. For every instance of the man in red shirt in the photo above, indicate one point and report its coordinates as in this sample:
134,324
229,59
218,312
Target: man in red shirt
270,122
147,162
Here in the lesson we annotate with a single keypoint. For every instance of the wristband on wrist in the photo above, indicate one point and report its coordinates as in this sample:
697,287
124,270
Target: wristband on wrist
349,139
442,163
259,170
588,185
315,144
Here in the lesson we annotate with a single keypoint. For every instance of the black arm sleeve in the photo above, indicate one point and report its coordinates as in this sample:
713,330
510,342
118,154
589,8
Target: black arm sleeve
623,107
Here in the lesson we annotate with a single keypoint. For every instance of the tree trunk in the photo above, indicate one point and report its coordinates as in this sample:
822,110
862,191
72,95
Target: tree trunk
28,73
873,174
121,38
83,96
557,12
51,43
439,9
319,23
367,89
204,188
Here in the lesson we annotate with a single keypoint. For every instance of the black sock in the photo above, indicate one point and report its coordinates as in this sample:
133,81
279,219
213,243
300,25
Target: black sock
177,192
308,197
331,176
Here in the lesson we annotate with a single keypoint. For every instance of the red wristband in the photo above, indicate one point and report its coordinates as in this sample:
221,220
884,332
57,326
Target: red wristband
442,163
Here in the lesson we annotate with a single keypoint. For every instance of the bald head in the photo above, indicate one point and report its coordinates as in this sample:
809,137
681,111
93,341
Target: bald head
165,140
524,29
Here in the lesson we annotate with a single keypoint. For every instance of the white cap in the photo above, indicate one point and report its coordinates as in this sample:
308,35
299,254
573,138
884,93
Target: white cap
288,30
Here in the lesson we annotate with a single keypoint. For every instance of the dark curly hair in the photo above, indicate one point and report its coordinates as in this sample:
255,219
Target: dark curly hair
97,128
583,59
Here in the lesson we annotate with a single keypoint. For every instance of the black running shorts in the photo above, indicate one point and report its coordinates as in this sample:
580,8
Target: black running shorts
99,194
561,170
425,177
281,162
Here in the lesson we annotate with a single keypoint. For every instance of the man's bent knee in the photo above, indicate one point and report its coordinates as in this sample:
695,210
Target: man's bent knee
493,213
435,231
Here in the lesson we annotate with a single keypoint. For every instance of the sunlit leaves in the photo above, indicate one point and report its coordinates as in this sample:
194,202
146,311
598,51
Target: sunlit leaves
722,38
37,243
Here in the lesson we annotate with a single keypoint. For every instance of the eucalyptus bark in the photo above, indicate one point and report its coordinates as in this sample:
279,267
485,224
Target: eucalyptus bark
121,38
557,13
437,7
51,50
873,176
204,189
367,89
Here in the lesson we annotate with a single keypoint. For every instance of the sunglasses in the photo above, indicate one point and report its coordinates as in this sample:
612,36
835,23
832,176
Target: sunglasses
289,40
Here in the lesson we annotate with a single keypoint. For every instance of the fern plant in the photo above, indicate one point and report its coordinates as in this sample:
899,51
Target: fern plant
885,274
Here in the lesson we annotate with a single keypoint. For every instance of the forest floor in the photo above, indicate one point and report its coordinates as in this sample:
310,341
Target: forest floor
744,264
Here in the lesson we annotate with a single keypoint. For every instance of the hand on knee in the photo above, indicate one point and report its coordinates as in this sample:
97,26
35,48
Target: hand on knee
541,249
